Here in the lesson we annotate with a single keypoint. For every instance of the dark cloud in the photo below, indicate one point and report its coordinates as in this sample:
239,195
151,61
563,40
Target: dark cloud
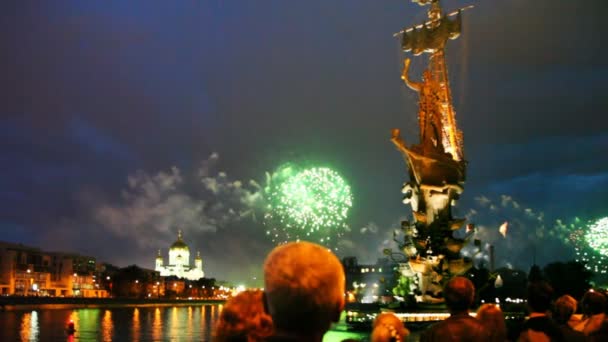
94,91
148,212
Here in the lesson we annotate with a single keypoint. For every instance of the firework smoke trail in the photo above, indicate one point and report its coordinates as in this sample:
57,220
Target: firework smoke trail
531,237
153,206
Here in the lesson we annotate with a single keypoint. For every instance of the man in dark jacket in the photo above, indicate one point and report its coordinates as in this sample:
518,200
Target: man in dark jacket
460,326
539,326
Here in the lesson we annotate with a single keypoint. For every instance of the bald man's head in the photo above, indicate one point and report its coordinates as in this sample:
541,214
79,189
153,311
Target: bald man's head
388,327
459,294
304,286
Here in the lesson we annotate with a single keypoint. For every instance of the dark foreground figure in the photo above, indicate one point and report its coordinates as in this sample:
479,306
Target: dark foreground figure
304,287
540,327
459,294
243,319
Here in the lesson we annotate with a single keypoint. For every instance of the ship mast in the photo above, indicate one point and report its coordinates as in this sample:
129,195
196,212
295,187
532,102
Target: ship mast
431,37
452,135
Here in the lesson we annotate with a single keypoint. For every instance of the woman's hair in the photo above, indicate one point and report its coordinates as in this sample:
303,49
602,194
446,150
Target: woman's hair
593,303
563,309
243,319
492,319
389,328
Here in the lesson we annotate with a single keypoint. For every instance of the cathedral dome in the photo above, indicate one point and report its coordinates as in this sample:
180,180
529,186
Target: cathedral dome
179,243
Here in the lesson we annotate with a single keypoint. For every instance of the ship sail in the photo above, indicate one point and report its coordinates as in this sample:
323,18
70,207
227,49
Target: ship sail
431,36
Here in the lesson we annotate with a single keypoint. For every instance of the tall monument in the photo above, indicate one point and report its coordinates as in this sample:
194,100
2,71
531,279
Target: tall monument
436,164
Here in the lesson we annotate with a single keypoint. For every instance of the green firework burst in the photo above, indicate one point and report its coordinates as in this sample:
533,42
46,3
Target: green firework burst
590,241
597,236
310,204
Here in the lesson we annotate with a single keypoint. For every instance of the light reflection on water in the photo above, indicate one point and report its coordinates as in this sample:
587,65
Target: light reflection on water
107,326
29,326
189,318
26,327
191,323
135,327
157,325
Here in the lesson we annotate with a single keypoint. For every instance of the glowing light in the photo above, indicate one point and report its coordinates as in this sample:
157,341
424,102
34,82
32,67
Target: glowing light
589,240
597,236
499,282
238,289
503,229
310,204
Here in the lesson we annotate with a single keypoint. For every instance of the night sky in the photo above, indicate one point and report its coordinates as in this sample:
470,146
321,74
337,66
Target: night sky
121,122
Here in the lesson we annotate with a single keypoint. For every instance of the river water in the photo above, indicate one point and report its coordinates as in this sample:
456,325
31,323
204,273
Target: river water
183,323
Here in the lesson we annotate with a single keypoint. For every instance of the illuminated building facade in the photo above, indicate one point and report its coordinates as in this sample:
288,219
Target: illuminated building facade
30,271
368,283
179,262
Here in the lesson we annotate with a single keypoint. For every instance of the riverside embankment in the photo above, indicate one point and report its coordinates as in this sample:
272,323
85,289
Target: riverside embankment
45,303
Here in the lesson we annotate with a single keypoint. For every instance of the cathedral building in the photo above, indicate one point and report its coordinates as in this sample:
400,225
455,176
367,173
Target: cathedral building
179,262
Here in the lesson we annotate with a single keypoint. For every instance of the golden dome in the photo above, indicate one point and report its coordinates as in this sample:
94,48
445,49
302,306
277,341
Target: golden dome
179,243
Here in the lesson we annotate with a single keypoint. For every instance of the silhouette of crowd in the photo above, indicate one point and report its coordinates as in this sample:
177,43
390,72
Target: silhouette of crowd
304,294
